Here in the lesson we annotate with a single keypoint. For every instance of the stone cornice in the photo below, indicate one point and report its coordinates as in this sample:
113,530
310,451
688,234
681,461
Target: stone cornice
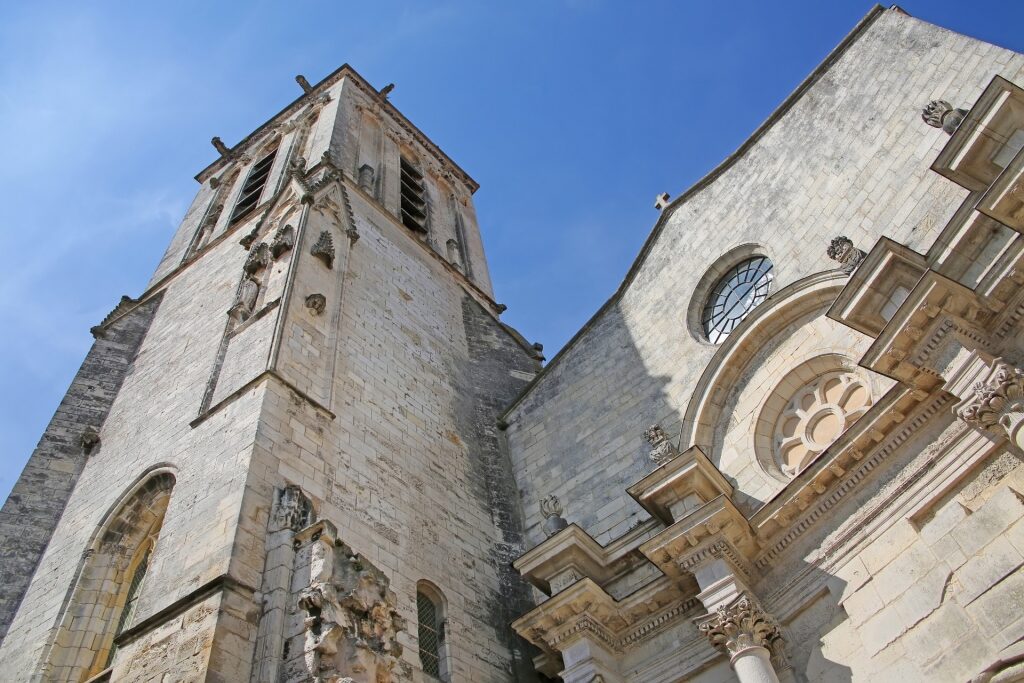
585,608
688,474
776,524
715,529
364,86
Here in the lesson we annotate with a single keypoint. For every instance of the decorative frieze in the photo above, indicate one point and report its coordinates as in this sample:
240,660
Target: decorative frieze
291,510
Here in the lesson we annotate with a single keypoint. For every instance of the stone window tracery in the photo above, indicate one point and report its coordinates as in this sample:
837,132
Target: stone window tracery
816,415
734,296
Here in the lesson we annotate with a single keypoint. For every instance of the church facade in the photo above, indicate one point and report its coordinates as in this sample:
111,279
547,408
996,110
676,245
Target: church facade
788,448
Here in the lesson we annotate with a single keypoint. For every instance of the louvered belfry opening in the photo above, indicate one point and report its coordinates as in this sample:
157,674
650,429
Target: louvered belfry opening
429,635
414,206
253,188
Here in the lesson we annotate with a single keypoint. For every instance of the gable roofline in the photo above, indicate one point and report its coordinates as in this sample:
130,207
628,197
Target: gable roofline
837,52
364,85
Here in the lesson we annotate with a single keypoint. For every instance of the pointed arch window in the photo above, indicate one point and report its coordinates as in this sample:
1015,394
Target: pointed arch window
111,582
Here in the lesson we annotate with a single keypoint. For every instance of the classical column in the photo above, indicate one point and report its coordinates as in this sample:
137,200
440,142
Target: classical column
748,635
995,401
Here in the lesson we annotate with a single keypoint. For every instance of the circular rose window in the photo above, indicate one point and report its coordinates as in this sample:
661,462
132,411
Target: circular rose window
815,417
734,296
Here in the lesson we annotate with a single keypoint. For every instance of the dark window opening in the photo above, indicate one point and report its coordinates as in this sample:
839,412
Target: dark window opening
249,197
414,206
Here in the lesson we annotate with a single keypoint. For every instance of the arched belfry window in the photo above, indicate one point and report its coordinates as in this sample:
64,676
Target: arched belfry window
431,620
111,582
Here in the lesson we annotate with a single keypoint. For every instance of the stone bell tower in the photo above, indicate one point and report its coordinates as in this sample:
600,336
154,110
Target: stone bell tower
281,461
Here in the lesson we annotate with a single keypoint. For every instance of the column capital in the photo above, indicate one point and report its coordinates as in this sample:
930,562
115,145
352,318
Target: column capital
739,626
996,404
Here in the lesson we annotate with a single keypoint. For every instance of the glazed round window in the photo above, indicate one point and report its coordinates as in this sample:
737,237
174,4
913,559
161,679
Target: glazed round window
735,295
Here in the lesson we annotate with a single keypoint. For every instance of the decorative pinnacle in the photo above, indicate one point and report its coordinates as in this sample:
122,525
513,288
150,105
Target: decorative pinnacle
661,201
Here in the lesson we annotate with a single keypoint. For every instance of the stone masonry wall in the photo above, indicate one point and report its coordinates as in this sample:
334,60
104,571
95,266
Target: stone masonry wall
850,156
35,504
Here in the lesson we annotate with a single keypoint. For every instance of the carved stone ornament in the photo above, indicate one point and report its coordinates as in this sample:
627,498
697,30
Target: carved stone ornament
351,622
89,439
739,626
245,299
316,303
366,178
997,404
551,508
283,241
662,449
324,249
258,259
941,114
292,510
841,249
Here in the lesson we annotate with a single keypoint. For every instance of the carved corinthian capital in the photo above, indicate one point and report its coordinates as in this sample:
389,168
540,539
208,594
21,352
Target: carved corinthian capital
998,403
740,626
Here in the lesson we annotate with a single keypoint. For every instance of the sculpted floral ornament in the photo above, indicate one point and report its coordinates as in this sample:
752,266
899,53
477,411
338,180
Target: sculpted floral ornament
662,449
841,249
997,404
553,520
740,626
941,114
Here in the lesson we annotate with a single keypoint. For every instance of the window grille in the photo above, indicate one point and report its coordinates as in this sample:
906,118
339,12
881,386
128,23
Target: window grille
430,635
414,205
249,197
131,601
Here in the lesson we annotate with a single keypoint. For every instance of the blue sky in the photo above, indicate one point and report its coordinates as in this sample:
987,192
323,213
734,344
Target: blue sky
571,114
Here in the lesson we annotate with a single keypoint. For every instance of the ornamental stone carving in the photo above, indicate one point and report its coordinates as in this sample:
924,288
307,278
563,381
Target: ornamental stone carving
283,241
258,259
323,249
841,249
553,520
740,626
366,178
316,303
662,449
816,415
292,510
941,114
89,439
245,299
997,404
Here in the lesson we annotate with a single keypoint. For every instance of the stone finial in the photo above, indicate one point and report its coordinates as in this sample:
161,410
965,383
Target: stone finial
316,303
304,84
941,114
245,299
89,439
741,625
219,145
662,449
661,201
553,520
841,249
324,249
386,90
